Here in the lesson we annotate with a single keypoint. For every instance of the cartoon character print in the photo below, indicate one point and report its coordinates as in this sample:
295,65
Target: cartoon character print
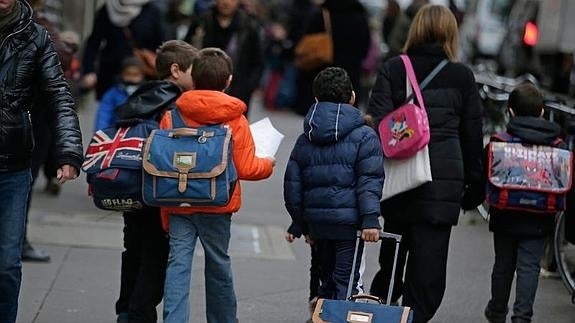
399,129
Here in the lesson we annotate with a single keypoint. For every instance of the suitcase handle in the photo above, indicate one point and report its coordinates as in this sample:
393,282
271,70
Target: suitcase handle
366,297
382,236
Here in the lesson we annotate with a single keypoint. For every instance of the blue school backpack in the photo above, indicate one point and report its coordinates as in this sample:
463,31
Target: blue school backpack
186,166
531,178
113,164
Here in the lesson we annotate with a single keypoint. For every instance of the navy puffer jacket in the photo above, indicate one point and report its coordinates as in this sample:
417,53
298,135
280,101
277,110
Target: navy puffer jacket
334,177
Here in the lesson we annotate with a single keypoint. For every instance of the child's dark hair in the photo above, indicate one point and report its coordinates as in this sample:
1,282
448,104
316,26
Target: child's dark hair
174,52
333,85
131,62
526,101
212,69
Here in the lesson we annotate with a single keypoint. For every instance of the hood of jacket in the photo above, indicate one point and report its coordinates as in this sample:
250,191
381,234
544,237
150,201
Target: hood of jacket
149,100
327,123
210,107
534,130
25,18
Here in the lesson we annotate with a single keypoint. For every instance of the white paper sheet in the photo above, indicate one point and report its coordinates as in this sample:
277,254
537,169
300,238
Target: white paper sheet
266,137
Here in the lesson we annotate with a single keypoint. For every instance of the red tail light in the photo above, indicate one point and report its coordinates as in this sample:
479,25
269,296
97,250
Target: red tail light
531,35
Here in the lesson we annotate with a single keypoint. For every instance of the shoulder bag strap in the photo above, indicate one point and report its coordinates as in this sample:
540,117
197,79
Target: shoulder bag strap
410,75
177,120
427,80
326,20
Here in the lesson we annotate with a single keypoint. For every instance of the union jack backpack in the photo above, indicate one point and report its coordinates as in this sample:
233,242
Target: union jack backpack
113,165
531,178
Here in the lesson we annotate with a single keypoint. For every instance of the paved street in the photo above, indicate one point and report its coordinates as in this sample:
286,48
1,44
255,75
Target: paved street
81,283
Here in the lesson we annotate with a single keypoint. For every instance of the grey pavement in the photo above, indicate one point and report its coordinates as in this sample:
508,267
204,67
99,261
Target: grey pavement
81,283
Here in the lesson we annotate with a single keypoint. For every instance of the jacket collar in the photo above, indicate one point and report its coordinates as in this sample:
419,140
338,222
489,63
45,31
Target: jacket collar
210,107
534,130
427,49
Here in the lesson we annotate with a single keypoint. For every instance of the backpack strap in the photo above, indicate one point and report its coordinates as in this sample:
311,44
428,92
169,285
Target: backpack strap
177,120
427,80
504,137
558,142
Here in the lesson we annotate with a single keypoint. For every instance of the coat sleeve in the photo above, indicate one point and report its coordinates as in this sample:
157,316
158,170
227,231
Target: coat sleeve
471,139
370,176
93,43
293,191
248,165
380,102
105,114
62,116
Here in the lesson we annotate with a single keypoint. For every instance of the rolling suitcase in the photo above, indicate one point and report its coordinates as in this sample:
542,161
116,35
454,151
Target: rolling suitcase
352,311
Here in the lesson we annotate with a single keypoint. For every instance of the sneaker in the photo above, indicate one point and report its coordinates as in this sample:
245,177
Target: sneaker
547,274
31,254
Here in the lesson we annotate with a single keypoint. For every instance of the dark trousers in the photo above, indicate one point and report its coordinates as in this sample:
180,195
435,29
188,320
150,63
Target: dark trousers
335,261
144,264
425,271
515,255
314,273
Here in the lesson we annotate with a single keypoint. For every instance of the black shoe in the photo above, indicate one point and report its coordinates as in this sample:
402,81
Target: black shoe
122,318
31,254
492,318
52,188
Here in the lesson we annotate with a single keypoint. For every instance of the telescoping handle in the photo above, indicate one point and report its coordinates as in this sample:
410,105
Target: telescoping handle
382,236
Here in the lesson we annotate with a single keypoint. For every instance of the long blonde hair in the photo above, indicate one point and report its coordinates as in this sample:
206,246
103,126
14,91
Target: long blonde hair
434,24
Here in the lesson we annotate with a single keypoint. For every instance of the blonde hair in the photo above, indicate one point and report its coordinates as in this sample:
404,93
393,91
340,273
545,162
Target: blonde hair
434,24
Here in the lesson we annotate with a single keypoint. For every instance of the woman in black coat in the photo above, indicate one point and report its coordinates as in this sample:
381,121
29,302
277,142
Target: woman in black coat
351,40
109,43
425,215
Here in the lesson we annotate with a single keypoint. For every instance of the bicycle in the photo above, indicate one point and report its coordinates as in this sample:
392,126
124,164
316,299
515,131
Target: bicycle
494,91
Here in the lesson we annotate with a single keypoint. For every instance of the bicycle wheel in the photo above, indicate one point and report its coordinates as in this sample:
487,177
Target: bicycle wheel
565,255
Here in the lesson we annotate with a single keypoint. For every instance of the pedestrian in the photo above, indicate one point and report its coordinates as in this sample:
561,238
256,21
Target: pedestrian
42,154
425,215
131,77
334,180
294,232
351,39
30,66
400,30
392,12
230,28
119,27
207,104
519,235
145,257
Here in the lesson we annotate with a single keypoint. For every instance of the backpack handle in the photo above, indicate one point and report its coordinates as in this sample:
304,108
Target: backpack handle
188,132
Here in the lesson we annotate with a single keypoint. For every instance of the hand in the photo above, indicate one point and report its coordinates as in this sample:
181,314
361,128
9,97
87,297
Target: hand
89,81
370,235
273,160
290,237
66,173
309,240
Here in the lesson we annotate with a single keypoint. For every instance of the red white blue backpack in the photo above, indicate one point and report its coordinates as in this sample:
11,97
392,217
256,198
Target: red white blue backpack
524,177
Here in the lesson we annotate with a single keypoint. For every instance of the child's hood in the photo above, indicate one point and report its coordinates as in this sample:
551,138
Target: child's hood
150,99
327,122
210,107
534,130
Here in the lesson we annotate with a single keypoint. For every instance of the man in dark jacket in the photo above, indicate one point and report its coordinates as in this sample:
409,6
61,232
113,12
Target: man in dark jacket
146,246
334,180
231,29
28,64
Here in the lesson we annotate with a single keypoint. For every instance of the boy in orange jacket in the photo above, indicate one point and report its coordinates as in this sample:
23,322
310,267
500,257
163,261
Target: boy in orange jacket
209,105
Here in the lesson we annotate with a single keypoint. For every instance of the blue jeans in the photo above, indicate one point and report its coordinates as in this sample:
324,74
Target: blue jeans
214,234
14,194
515,256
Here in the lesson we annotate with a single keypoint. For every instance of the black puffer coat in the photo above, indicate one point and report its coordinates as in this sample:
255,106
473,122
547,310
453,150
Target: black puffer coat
456,145
29,65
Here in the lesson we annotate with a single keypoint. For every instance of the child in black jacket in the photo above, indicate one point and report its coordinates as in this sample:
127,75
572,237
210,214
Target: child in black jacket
519,236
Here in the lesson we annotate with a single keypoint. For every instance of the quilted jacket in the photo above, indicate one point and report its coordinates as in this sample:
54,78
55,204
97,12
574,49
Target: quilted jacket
334,177
30,68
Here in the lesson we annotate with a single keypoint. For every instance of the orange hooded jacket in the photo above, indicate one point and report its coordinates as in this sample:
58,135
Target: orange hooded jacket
201,107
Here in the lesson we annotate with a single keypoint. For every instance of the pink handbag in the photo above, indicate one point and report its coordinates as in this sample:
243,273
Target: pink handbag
405,131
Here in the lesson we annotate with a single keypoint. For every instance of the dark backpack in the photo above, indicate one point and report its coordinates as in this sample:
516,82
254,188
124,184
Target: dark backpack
525,177
113,165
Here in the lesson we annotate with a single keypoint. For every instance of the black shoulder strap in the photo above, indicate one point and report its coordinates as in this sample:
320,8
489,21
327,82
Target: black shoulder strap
429,77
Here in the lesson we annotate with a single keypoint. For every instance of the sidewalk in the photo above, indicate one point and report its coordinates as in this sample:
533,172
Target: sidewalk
81,283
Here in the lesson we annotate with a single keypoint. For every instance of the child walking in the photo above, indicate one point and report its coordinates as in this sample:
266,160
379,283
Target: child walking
334,180
519,236
207,104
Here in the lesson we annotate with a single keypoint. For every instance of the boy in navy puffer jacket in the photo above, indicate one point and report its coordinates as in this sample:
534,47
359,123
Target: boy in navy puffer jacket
334,180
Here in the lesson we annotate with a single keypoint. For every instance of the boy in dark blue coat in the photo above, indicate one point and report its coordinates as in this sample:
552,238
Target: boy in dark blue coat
334,180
